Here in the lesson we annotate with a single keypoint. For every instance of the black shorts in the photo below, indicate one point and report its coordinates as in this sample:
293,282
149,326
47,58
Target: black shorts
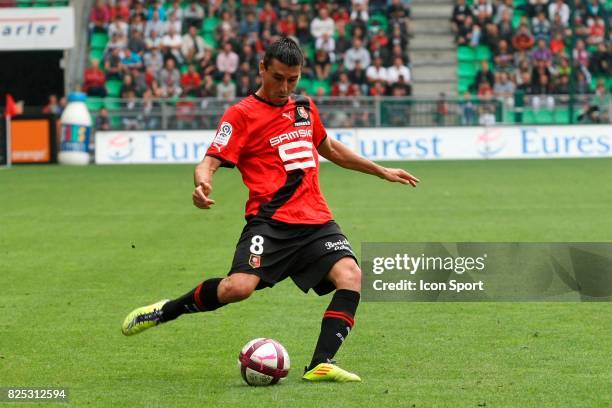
274,251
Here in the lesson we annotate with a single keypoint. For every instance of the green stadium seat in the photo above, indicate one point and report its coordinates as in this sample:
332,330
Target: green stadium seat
309,51
209,39
463,85
97,54
561,116
316,84
112,103
99,40
113,87
544,116
209,25
465,54
379,20
115,121
508,116
94,104
483,53
466,69
305,83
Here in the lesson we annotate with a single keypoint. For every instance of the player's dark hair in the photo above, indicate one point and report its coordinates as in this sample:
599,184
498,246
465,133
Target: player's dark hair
286,51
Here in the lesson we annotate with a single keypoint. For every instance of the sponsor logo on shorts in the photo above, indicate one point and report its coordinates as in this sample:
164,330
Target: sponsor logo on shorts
255,261
341,244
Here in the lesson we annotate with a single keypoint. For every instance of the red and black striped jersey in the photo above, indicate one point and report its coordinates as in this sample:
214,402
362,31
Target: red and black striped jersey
275,149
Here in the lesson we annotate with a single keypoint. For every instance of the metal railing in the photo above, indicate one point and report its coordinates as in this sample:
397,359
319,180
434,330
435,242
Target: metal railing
205,113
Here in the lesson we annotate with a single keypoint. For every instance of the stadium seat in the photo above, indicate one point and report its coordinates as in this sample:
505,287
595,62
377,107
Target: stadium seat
309,51
466,69
542,116
528,116
112,103
561,116
210,24
305,83
209,39
508,116
113,87
379,20
94,104
465,54
96,54
483,53
99,40
463,84
316,84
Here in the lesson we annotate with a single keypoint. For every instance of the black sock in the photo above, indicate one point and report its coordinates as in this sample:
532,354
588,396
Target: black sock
201,299
336,325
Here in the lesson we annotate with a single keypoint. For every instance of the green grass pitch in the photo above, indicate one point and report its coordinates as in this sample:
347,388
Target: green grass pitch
81,247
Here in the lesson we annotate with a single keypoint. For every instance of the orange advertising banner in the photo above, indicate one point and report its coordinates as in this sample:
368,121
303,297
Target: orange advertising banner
30,141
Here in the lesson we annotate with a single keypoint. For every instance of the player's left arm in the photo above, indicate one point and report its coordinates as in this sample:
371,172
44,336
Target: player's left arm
336,152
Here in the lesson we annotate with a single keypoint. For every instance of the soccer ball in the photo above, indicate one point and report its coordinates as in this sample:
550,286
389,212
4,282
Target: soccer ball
263,362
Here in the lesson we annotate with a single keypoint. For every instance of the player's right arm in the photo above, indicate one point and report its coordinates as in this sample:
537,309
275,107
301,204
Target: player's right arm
224,151
202,179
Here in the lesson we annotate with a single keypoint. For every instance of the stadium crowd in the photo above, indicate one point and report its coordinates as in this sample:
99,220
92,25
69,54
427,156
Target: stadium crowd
211,48
531,45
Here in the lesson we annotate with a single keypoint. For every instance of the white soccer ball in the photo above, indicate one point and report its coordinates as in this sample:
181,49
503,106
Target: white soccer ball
263,362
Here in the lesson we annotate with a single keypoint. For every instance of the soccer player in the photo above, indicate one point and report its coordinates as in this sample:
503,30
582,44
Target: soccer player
274,137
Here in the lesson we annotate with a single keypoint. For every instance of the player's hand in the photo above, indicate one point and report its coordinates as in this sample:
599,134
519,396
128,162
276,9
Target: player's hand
200,196
400,176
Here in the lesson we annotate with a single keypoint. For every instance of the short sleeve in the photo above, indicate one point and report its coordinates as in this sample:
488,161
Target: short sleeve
230,138
318,130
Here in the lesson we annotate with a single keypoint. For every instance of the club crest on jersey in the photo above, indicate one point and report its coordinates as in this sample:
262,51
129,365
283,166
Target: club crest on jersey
302,112
223,135
255,261
302,118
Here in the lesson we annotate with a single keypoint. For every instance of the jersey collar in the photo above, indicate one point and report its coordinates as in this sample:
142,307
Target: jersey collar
259,98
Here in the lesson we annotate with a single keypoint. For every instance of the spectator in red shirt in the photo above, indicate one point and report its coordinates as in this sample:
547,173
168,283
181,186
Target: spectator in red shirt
343,87
100,17
190,81
557,45
341,14
268,12
379,38
379,89
287,26
121,9
523,40
94,80
597,32
53,106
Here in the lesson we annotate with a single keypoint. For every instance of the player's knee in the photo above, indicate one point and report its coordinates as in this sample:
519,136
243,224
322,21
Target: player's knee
234,290
347,275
